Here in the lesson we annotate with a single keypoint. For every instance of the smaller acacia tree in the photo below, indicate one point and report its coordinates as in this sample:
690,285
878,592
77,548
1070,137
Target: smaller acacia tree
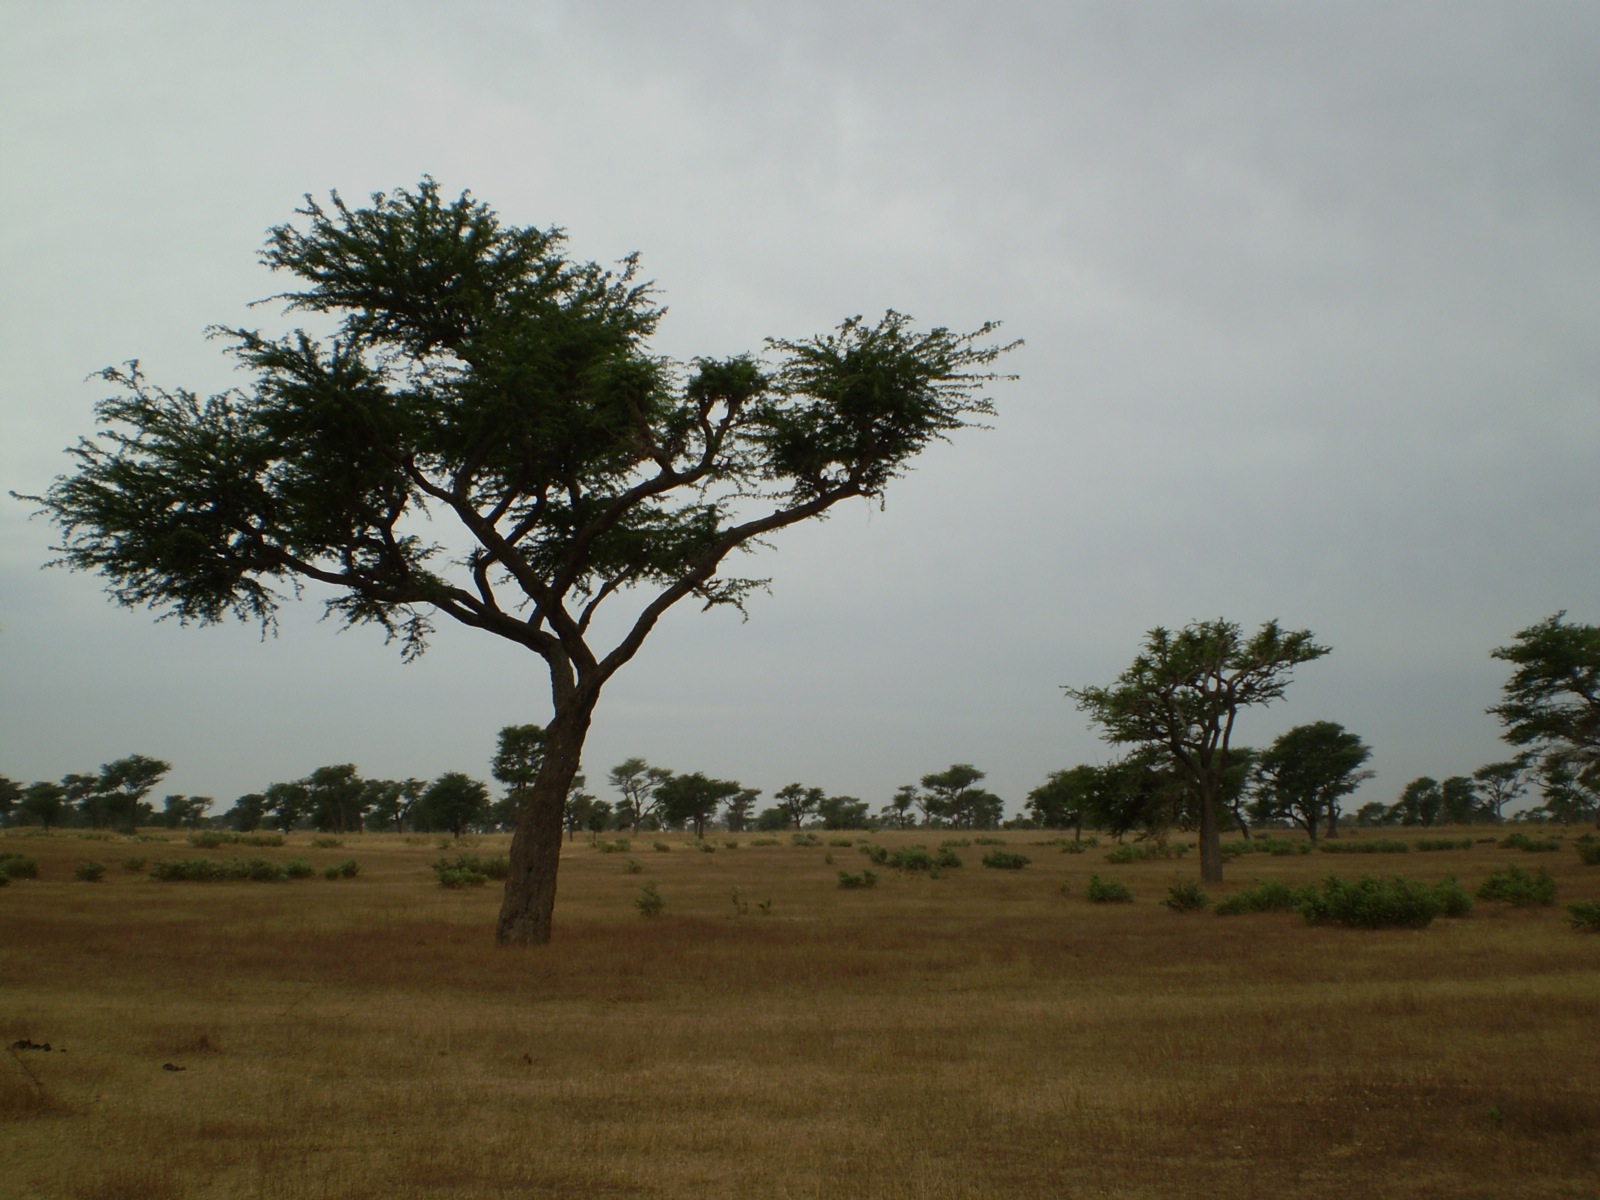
1551,702
638,782
1502,783
1420,803
1183,694
692,799
454,801
1302,776
797,802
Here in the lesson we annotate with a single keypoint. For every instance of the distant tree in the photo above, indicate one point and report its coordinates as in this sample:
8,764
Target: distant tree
1063,799
583,808
10,794
184,811
843,812
1235,794
479,377
122,786
385,803
736,815
1303,774
455,802
951,797
638,782
900,813
1568,797
1502,783
44,802
798,802
247,813
1459,802
693,799
518,758
1373,812
288,804
85,800
1551,703
1183,694
1420,803
771,820
336,798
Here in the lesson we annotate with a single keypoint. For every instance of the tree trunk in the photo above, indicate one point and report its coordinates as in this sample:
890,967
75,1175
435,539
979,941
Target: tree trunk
1333,819
1210,841
530,897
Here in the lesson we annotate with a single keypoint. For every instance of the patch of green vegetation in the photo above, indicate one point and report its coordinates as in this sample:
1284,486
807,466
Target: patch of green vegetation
1005,860
1104,891
1374,846
1373,903
1512,885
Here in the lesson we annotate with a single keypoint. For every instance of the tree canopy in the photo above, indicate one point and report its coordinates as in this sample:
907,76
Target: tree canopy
486,436
1304,773
1551,703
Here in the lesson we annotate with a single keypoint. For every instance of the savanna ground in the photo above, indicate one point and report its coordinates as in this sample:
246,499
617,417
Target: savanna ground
985,1033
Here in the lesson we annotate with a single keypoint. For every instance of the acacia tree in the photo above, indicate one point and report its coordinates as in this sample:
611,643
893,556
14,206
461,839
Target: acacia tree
1502,783
1551,703
692,799
1183,694
480,377
638,782
1303,774
797,802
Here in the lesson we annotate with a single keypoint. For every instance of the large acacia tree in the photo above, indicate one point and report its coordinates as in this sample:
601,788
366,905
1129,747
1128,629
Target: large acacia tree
1182,697
479,376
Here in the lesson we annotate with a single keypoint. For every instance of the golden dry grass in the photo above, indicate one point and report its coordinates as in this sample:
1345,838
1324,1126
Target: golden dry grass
983,1034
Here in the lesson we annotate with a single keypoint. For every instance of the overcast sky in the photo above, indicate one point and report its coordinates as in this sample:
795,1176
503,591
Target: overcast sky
1310,295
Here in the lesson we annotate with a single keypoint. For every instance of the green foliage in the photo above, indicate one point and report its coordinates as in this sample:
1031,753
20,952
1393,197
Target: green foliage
649,901
620,846
133,865
459,877
846,843
327,843
298,868
1532,845
633,867
1585,915
1129,852
867,879
1428,845
348,869
1513,885
1186,897
946,858
1304,773
467,865
1552,700
210,839
211,870
89,872
805,839
1588,850
912,858
18,866
988,841
1365,846
766,842
1005,860
876,854
1372,903
661,847
1265,895
1102,891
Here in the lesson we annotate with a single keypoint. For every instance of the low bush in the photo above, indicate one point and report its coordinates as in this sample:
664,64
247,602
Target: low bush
210,839
1588,851
214,870
1373,903
620,846
458,877
866,879
1533,845
876,854
1129,852
18,866
1426,845
730,845
766,842
1186,897
945,858
1513,885
661,847
133,864
1375,846
495,867
1005,860
1584,916
348,869
298,868
988,841
1265,895
805,839
956,843
633,867
845,842
1102,891
911,858
327,843
90,872
649,901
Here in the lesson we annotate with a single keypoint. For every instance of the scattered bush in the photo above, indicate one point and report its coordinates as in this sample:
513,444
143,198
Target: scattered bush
210,839
1584,916
989,841
18,866
649,901
705,847
866,879
1588,851
805,839
911,858
133,864
90,872
1533,845
735,845
1005,860
1375,846
464,867
327,843
766,842
1103,891
620,846
1372,903
1186,897
1128,852
661,847
1265,895
955,843
876,854
213,870
946,858
458,877
845,842
298,868
1515,886
348,869
1426,845
633,867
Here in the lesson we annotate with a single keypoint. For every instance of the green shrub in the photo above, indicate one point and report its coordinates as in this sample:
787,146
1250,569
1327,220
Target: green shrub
661,847
1103,891
911,858
649,901
1265,895
327,843
946,858
459,877
133,864
705,847
1588,851
845,842
1513,885
212,870
1375,846
1432,844
620,846
1533,845
18,866
989,841
633,867
1005,860
955,843
348,869
1186,897
726,845
876,854
90,872
1129,852
298,868
1453,898
805,839
1372,903
866,879
210,839
495,867
766,842
1585,915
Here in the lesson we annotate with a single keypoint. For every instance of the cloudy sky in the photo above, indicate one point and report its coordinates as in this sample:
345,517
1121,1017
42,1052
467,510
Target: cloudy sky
1310,295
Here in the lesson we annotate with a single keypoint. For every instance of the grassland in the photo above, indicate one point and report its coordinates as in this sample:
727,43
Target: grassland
985,1033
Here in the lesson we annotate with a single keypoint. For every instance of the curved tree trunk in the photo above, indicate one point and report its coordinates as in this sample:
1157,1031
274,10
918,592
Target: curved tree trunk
1210,840
530,896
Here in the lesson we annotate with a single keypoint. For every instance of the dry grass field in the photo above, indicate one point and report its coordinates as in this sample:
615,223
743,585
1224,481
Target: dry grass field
985,1033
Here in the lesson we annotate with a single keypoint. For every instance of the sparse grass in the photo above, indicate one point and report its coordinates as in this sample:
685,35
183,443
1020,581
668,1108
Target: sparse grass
369,1040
